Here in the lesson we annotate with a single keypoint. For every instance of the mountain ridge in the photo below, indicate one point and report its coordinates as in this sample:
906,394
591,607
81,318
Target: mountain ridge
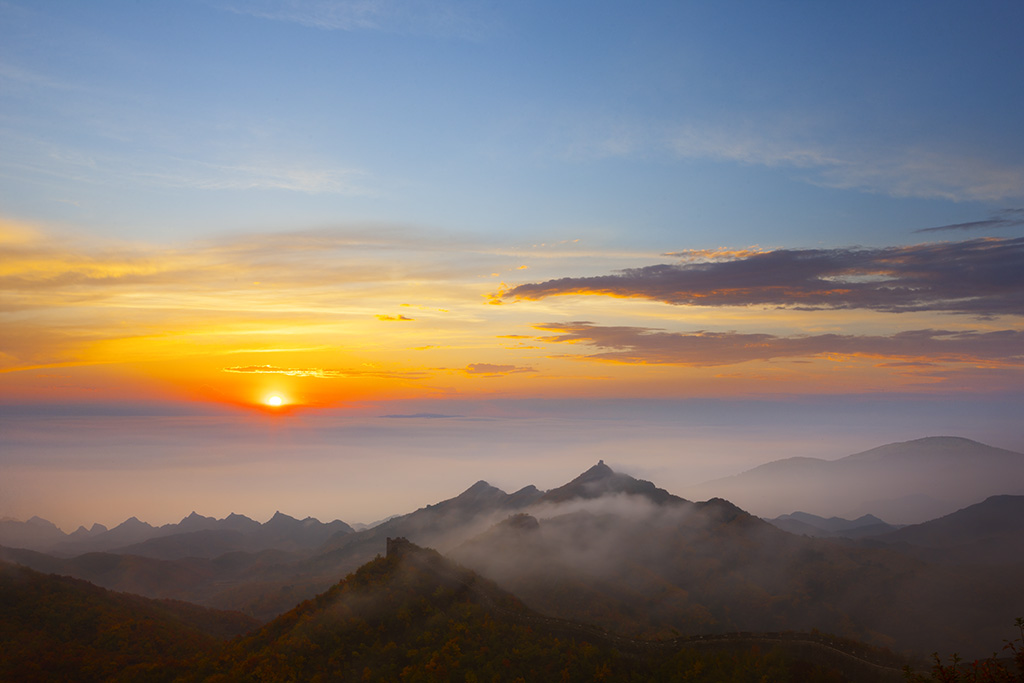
904,482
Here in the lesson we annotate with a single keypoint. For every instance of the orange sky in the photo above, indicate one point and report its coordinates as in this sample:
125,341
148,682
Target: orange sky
332,318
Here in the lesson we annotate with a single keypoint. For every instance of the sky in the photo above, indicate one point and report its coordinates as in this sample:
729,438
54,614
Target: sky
462,240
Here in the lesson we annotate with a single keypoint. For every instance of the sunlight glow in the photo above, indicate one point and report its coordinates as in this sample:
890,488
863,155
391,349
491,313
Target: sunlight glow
275,401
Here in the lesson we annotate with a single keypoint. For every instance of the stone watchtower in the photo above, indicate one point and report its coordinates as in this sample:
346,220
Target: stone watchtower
398,546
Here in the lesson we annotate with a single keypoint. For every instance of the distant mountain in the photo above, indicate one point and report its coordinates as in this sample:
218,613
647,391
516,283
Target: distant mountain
990,532
34,533
171,541
806,524
904,483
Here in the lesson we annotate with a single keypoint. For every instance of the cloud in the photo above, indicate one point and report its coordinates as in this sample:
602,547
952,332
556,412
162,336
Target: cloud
429,416
19,74
289,172
982,276
492,370
640,345
321,373
440,19
927,172
1007,218
400,318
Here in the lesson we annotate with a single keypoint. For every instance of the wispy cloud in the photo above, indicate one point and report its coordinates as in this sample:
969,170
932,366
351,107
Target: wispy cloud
322,373
928,172
1007,218
12,72
983,277
284,172
443,18
640,345
395,318
494,370
808,152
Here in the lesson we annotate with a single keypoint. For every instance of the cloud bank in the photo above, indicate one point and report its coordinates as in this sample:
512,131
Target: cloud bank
640,345
981,277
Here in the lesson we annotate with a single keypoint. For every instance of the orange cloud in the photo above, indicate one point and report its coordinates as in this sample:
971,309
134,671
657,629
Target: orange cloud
637,345
492,370
321,372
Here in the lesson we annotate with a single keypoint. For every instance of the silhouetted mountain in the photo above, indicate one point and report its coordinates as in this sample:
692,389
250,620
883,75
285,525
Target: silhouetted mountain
806,524
904,483
36,533
601,480
990,532
442,525
135,537
81,533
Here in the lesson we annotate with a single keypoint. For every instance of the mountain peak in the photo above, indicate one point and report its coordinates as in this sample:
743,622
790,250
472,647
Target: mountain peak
133,523
479,493
37,521
598,471
602,480
281,518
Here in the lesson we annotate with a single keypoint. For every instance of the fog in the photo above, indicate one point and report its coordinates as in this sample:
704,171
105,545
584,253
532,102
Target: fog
359,465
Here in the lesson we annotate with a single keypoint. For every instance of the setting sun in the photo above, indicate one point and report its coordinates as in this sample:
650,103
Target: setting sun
275,401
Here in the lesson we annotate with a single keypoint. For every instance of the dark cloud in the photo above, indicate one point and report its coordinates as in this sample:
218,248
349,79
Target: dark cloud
642,345
982,277
1007,218
492,370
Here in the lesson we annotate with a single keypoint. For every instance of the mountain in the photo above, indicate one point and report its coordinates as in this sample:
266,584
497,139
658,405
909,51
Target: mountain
601,480
806,524
442,525
990,532
905,483
171,541
59,628
629,564
414,615
36,533
615,552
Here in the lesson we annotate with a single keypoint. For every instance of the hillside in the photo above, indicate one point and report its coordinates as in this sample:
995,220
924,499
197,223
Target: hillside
58,628
990,532
413,615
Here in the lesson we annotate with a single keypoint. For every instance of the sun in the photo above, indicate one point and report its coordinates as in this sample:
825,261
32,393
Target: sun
275,401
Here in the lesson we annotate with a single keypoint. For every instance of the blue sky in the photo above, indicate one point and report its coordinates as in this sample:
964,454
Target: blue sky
666,125
376,207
